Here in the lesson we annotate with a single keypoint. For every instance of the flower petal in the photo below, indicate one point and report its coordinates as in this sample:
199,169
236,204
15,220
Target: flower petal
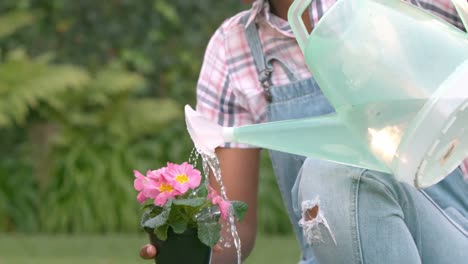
181,188
156,174
211,193
162,198
142,198
194,179
152,189
139,182
138,175
224,207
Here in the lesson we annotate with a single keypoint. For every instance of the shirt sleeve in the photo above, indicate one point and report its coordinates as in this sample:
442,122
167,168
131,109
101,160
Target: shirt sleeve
216,97
441,8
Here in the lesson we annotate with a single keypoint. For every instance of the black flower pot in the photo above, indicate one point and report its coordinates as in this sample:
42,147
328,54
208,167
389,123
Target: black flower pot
180,248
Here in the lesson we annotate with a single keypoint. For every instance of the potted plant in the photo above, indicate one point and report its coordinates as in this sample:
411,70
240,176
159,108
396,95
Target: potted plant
182,213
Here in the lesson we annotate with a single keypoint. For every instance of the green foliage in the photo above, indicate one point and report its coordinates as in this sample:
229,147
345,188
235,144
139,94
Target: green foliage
194,209
12,21
16,182
160,218
110,133
209,232
195,202
25,83
89,91
160,39
190,210
240,209
179,227
161,232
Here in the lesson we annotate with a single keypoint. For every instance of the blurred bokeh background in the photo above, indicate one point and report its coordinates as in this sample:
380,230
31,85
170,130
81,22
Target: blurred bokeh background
89,91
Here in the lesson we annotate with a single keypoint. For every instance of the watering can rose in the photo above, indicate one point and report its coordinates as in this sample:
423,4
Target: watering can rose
178,199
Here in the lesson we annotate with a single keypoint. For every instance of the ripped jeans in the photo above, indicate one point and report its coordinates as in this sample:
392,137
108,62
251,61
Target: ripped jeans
351,215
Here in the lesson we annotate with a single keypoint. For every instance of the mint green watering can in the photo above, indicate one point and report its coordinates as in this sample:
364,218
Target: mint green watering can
398,79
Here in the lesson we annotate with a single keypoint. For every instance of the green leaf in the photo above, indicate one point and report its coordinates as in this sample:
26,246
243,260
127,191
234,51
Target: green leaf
12,21
179,227
146,215
150,206
161,232
26,84
161,218
167,11
149,210
194,202
209,232
178,219
202,191
240,208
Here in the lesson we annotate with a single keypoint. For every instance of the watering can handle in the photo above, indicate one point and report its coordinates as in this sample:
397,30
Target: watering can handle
297,24
302,35
462,8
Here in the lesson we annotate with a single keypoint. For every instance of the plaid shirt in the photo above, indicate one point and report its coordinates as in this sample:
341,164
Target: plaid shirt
228,90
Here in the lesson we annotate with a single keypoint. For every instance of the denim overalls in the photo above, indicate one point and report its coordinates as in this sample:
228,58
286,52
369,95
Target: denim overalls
300,98
349,195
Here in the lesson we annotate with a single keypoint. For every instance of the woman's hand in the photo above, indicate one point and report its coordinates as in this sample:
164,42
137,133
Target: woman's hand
148,251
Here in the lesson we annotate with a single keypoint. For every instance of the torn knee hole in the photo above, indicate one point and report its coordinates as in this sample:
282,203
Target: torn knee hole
311,213
312,220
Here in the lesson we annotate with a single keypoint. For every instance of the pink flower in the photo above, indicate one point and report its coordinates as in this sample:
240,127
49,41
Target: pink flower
223,206
182,177
211,193
149,185
151,189
156,174
216,199
139,184
141,197
166,191
140,181
155,178
154,185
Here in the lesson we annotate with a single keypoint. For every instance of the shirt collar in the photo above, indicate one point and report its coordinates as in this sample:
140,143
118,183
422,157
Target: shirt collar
261,9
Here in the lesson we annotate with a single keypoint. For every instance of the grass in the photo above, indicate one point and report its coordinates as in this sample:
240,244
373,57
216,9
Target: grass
116,249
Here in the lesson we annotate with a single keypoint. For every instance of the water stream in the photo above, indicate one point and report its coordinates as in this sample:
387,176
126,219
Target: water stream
212,162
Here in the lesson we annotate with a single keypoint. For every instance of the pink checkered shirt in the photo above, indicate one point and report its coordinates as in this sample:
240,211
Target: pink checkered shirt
228,90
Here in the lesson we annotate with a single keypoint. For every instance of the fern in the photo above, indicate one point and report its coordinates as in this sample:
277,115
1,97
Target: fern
25,83
11,22
105,133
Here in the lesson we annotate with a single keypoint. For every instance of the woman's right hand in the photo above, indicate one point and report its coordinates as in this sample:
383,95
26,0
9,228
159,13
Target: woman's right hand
148,251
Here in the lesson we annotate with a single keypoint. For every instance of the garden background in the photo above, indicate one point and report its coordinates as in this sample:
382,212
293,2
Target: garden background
89,91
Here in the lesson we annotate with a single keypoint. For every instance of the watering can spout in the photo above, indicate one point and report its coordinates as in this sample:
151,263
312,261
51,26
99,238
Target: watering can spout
205,134
324,137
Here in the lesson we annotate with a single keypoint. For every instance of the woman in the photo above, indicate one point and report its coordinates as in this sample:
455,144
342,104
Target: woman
253,72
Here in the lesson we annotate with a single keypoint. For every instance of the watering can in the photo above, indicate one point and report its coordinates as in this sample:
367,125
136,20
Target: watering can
397,77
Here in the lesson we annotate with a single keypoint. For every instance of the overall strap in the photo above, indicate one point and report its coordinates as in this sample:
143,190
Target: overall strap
255,45
261,61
